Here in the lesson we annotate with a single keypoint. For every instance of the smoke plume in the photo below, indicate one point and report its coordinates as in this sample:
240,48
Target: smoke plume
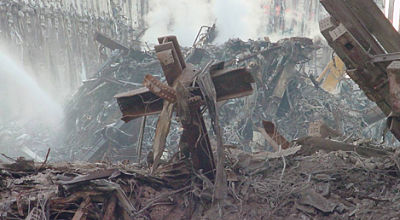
244,19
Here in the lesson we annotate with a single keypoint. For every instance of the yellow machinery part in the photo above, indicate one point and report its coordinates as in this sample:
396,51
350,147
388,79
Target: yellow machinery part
331,75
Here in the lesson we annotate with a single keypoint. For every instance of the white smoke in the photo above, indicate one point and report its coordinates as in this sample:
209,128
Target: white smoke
244,19
182,18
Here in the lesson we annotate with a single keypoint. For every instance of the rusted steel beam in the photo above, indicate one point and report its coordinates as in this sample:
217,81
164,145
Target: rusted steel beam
194,142
210,95
371,78
232,83
160,89
229,83
273,132
393,121
357,27
393,71
109,43
162,130
376,23
137,103
174,41
341,12
310,145
327,25
170,63
356,73
172,66
386,57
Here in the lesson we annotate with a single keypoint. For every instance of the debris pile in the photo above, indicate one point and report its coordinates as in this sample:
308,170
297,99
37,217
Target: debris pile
284,92
289,184
282,147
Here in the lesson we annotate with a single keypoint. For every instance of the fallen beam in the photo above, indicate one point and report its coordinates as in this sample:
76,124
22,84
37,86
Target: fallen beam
311,145
376,23
229,83
273,132
109,43
385,57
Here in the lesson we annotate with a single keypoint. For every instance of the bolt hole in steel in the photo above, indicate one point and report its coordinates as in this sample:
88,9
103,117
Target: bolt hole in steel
349,46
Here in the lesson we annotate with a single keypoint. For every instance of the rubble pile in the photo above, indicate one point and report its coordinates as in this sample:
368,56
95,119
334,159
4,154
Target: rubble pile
284,93
243,130
289,184
92,115
288,95
18,139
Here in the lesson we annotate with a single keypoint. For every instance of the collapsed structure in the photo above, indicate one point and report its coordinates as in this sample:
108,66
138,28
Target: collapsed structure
281,147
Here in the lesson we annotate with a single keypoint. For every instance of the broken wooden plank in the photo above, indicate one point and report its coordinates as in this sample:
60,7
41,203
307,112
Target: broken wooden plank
82,210
110,208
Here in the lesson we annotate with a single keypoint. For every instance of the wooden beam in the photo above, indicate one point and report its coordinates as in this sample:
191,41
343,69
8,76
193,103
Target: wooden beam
110,208
82,211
